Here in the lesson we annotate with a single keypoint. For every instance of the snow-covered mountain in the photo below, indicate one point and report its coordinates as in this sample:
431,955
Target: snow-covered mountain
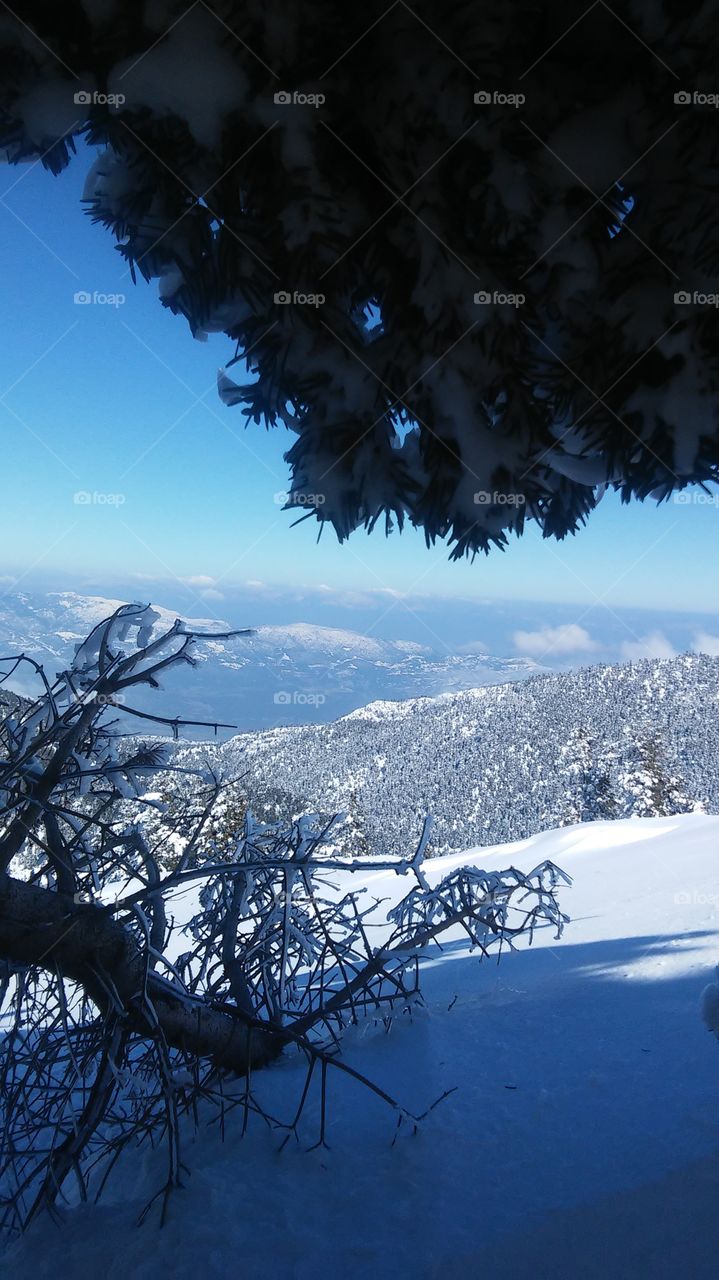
293,674
579,1137
499,763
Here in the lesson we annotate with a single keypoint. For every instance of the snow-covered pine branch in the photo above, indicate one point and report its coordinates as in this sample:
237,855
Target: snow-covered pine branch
470,252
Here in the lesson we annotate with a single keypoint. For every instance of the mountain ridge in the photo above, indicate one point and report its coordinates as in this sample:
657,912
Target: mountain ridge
291,673
497,763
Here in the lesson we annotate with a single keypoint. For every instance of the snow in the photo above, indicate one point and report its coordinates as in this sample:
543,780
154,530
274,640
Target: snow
49,111
188,74
90,610
582,1139
325,639
108,178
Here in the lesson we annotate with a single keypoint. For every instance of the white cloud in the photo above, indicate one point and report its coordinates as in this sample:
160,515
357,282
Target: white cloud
549,641
211,594
653,645
199,580
703,642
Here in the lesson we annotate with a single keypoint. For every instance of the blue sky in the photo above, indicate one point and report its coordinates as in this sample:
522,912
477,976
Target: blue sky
120,400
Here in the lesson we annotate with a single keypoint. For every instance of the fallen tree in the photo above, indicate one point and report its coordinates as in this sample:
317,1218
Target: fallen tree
110,1033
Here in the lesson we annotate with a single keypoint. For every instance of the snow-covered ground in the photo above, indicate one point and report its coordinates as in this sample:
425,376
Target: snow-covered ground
582,1139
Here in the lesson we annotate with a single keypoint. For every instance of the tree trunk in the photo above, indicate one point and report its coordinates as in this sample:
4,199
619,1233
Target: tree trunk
41,927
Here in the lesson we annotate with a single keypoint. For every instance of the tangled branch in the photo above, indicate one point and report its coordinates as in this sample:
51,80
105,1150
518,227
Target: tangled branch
116,1022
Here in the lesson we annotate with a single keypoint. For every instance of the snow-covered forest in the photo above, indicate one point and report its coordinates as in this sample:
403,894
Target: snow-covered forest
495,764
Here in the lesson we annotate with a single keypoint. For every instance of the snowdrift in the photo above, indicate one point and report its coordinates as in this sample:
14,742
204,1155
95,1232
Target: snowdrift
582,1137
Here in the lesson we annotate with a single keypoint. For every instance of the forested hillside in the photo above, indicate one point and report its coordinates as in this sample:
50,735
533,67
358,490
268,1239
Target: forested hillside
498,763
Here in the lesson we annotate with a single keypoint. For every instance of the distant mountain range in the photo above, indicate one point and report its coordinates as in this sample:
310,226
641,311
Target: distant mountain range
282,675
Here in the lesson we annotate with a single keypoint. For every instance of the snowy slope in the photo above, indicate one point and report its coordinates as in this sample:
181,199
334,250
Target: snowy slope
582,1140
294,674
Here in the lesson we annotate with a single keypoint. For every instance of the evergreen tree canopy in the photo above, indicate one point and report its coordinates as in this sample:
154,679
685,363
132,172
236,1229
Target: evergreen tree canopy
468,250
